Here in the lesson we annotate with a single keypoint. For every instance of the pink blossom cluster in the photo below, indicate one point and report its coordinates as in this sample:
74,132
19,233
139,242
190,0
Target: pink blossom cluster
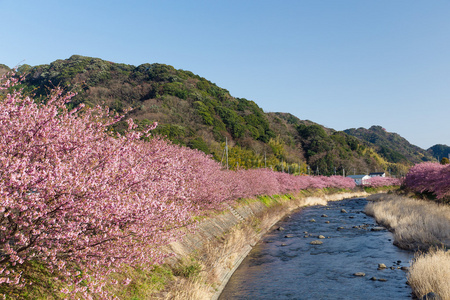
84,201
378,181
429,177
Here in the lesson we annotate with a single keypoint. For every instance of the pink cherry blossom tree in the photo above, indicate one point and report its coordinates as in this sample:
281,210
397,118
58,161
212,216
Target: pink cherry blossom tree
429,177
74,195
378,181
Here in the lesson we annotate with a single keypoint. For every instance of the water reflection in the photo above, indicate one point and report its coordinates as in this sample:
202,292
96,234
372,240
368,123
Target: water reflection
284,265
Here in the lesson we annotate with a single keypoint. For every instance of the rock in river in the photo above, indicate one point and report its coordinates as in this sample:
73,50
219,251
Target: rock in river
378,228
431,296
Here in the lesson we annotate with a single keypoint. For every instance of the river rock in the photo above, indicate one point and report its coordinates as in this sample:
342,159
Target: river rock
360,274
283,244
312,220
339,228
381,266
343,211
324,216
382,279
404,268
431,296
321,237
327,222
288,236
280,228
378,228
373,278
316,242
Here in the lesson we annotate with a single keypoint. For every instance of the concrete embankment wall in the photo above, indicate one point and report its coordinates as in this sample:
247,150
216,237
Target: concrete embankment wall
222,241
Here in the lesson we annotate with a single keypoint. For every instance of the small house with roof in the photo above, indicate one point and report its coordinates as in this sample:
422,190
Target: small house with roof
377,174
359,179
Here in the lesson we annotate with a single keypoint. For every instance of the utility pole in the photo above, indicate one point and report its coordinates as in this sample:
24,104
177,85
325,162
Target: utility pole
265,161
226,149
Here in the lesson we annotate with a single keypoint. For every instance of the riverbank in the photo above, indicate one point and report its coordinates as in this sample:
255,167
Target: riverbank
221,242
419,225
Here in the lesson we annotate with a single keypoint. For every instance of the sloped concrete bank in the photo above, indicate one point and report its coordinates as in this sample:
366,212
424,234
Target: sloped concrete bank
222,241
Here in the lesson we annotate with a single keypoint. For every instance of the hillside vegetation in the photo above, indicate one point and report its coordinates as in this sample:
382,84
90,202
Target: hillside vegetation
193,111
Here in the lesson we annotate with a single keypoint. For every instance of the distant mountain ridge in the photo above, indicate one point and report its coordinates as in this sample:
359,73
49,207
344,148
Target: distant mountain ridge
390,145
194,112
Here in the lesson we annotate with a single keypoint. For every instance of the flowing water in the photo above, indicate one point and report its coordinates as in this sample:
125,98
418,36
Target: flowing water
284,265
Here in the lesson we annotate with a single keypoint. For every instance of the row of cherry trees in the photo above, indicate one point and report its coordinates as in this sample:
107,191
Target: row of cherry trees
82,200
429,177
378,181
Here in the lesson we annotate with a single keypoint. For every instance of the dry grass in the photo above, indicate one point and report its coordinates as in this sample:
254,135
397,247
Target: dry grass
417,224
430,272
189,289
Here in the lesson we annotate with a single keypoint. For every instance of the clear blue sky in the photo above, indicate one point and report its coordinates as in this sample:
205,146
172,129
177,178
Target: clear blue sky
340,63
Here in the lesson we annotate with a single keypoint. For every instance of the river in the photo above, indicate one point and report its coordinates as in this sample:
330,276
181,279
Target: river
285,265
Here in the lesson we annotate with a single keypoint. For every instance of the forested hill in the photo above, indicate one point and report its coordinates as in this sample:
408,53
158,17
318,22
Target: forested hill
390,145
439,151
194,112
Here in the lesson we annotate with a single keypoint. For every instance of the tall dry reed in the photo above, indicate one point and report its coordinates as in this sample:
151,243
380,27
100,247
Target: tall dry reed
417,224
430,272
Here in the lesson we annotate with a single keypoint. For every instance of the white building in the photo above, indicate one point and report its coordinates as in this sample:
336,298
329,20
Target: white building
359,179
